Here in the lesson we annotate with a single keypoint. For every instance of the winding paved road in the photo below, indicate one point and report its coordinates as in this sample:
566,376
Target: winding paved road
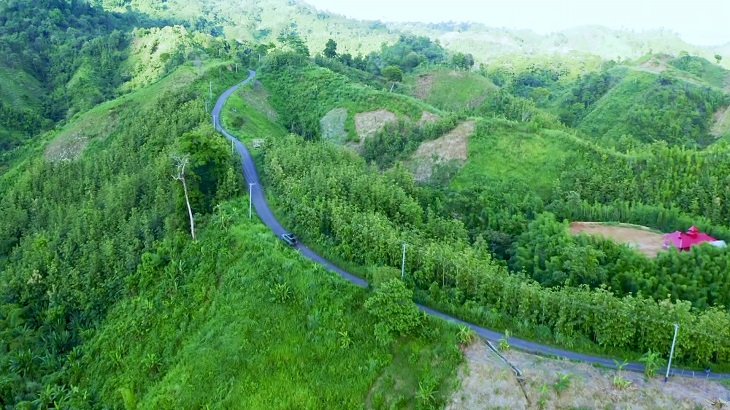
267,217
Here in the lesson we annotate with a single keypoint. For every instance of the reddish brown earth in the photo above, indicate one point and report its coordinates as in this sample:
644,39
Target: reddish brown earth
640,238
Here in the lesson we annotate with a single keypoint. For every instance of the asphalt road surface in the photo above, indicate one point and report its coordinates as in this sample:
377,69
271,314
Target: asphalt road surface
267,217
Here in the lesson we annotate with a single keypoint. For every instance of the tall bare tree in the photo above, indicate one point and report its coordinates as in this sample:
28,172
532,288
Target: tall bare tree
180,162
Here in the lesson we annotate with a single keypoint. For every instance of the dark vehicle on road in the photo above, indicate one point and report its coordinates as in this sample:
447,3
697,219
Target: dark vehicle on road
289,239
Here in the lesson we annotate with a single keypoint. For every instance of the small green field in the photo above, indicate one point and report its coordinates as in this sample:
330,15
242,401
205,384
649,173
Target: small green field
505,150
249,116
19,89
449,89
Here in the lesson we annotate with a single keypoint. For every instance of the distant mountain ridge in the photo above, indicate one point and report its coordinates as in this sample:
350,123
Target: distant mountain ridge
488,42
264,20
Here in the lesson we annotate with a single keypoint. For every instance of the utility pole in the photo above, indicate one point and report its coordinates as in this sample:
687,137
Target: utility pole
236,68
206,106
181,161
403,262
215,122
211,89
671,352
250,189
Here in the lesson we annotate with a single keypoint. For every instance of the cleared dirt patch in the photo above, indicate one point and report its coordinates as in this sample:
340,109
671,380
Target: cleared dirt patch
722,122
487,383
368,123
427,117
655,65
66,147
332,125
450,147
642,239
423,86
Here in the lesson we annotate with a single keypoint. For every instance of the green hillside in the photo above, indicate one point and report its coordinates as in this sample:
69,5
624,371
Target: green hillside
255,326
105,256
582,47
655,107
302,94
264,21
449,90
108,299
509,151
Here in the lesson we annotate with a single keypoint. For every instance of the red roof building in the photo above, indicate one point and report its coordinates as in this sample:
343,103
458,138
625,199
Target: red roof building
684,240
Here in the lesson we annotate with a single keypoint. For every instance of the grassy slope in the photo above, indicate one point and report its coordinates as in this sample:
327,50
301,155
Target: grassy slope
504,150
449,89
19,89
613,115
216,329
249,116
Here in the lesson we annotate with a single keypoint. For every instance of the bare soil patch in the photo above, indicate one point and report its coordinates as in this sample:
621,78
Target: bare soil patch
654,65
332,125
643,240
368,123
488,383
722,122
450,147
66,147
423,86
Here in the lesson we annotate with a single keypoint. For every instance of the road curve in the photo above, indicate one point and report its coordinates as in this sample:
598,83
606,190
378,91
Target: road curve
267,217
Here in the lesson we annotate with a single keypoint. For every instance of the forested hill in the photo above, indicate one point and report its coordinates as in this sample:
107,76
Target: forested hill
264,20
60,58
107,300
65,57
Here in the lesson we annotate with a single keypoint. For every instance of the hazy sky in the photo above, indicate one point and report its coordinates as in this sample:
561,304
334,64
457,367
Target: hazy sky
704,22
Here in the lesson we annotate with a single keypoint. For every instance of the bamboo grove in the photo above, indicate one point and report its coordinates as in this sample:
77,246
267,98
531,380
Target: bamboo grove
335,200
